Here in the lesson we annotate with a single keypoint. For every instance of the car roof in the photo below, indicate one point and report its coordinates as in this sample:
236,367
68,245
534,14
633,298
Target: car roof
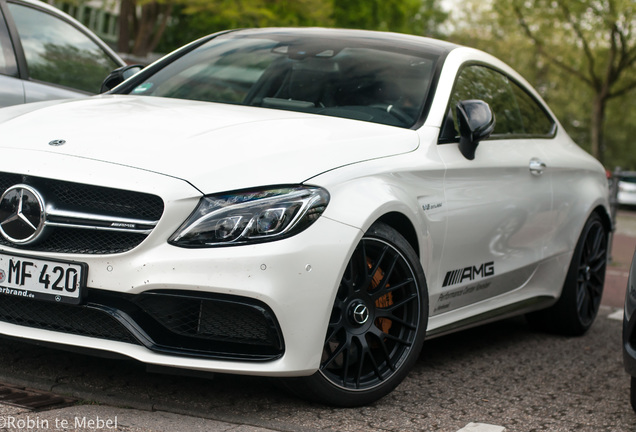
398,40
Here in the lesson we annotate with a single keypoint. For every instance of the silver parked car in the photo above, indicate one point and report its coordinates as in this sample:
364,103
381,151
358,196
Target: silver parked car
46,54
627,188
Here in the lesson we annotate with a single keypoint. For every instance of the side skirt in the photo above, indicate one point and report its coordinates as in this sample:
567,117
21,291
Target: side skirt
523,307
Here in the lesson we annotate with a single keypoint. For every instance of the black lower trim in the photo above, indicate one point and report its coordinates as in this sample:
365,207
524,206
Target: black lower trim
525,306
169,321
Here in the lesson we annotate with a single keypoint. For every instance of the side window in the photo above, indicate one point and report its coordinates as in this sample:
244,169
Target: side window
516,112
535,120
8,64
58,53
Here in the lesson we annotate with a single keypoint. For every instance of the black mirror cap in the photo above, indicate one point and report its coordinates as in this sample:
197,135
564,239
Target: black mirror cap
118,76
476,122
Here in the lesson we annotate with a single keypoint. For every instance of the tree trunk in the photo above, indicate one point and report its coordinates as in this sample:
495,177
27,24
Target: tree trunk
150,29
126,13
599,105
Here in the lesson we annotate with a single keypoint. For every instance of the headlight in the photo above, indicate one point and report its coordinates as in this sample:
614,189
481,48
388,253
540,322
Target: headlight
251,217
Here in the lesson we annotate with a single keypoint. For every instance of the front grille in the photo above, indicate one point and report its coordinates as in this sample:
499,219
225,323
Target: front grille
171,322
84,232
82,241
101,200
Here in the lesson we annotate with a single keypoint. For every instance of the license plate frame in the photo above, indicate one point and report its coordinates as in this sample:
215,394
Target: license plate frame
39,278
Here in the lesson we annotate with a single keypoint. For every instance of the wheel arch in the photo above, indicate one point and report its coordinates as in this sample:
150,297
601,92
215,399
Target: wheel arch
402,224
606,219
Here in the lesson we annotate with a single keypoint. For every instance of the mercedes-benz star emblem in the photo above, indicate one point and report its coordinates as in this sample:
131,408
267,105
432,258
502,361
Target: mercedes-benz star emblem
360,314
22,214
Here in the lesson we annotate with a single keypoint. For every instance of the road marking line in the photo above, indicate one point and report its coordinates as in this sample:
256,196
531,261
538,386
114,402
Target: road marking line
618,315
481,427
621,273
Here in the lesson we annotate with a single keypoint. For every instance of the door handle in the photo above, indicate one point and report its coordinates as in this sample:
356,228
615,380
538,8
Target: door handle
536,166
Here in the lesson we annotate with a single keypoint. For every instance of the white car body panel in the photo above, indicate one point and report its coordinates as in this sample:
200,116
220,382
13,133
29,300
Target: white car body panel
226,139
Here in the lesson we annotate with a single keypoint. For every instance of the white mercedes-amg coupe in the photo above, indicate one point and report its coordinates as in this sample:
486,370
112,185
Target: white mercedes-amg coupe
310,204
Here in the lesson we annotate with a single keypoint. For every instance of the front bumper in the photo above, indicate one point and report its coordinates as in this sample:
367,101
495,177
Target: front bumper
179,307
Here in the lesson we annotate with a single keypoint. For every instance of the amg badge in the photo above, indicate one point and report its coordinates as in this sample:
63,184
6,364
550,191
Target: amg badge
472,273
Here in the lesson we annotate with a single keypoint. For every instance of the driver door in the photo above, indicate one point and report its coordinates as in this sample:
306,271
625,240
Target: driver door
499,205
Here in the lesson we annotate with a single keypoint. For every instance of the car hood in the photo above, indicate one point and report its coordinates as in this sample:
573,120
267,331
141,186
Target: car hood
215,147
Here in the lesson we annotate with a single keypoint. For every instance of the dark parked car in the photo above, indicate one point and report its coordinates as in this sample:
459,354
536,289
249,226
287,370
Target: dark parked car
629,333
45,54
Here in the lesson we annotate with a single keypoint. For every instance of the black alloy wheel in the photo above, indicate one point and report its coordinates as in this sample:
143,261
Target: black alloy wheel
377,324
580,300
590,273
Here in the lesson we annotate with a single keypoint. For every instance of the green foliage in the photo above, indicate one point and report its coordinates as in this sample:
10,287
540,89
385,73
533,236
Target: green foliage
579,54
620,133
196,18
404,16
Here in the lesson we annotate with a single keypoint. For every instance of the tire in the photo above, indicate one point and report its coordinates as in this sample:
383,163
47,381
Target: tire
377,324
576,309
632,393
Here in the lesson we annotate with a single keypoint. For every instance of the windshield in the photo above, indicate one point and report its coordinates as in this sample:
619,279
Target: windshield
352,79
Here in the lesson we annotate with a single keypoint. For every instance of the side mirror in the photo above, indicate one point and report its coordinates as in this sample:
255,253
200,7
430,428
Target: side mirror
476,122
118,76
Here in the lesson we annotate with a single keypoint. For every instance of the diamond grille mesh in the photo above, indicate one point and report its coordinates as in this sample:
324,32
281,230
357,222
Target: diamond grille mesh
223,321
79,320
82,241
101,200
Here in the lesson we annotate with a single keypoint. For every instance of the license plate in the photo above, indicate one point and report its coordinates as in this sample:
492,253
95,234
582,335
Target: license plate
43,279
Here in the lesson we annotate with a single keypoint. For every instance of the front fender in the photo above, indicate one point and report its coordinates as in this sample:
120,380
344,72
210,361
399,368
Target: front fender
408,197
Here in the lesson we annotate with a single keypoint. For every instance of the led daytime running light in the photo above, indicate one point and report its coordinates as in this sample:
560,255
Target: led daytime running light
250,217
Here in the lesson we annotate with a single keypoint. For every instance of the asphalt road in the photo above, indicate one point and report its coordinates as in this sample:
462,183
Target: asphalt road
503,374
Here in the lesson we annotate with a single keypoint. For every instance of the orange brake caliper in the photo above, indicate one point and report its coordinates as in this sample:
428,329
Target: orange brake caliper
386,300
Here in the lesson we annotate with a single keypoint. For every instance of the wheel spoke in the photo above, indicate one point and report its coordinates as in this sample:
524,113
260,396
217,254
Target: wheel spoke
581,297
382,313
393,288
381,288
360,372
346,357
381,340
596,288
396,305
332,331
592,304
377,261
333,354
401,341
